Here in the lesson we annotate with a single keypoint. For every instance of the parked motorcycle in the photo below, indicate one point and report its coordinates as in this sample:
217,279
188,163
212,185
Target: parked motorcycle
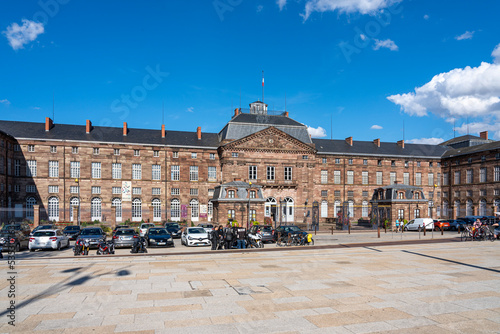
81,247
107,247
139,246
255,240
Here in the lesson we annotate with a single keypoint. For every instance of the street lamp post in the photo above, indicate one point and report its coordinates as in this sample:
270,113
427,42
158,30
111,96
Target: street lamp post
79,200
249,195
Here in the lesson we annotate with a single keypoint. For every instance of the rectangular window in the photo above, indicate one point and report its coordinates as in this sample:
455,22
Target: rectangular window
305,157
212,156
17,167
379,162
136,191
270,172
116,190
469,176
323,160
31,148
137,153
194,155
393,163
324,193
74,189
392,176
53,189
156,191
31,168
469,193
364,177
116,151
53,168
379,178
349,161
212,173
365,193
324,176
74,150
2,168
430,179
252,172
407,164
406,178
431,194
350,193
193,192
156,172
96,190
74,169
418,179
116,170
234,154
365,162
457,177
445,179
96,150
482,192
337,160
457,193
337,193
482,175
193,173
17,188
497,174
9,166
31,188
175,155
350,177
211,193
175,173
53,149
175,191
288,173
96,170
336,177
156,153
136,171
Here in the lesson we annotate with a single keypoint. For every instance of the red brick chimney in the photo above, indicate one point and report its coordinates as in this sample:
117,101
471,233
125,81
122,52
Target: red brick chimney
349,141
401,143
163,130
484,135
377,142
198,132
89,126
236,112
125,130
49,124
286,113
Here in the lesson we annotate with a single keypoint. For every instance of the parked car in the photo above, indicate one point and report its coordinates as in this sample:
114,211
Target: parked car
159,236
125,237
24,228
207,227
48,239
174,229
417,223
195,236
44,227
286,229
13,239
144,228
445,224
455,224
94,235
266,231
72,231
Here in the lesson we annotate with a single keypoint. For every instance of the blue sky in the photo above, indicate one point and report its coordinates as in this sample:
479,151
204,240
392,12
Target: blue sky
356,68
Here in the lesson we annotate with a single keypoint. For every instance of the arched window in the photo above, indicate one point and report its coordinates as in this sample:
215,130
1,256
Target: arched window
364,209
468,208
417,195
30,201
270,204
482,207
336,208
95,209
288,209
136,209
175,209
156,203
74,201
497,205
53,208
401,195
194,209
324,209
117,204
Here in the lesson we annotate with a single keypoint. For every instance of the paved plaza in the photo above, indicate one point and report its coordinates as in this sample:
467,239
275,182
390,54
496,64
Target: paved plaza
441,287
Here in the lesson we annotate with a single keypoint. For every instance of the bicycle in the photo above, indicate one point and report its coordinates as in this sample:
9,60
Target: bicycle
466,234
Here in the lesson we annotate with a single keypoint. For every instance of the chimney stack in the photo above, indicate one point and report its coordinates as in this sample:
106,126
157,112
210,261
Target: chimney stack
401,143
198,132
89,126
377,142
349,141
125,130
286,113
484,135
163,130
236,112
49,124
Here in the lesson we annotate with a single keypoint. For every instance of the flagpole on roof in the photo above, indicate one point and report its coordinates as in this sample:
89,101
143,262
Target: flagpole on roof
262,86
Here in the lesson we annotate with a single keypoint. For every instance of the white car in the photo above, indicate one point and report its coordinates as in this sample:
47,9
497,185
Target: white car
207,227
417,223
144,228
48,239
195,236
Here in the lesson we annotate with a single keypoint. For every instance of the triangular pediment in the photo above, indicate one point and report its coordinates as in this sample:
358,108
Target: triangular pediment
270,139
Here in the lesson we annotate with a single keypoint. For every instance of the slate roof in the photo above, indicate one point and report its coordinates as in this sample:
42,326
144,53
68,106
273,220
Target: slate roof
368,148
472,149
31,130
245,124
465,141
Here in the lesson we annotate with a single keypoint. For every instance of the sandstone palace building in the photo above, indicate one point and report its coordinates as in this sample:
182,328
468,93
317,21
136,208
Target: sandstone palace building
261,166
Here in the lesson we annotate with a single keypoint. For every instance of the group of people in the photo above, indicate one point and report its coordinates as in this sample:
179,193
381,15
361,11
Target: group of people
227,237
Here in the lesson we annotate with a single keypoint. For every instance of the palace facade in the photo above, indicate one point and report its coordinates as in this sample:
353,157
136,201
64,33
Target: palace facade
261,166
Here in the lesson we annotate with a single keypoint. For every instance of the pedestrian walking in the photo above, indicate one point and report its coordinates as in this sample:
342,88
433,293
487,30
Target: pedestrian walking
397,225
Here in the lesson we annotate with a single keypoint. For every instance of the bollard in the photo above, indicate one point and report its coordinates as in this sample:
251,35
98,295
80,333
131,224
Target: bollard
349,228
424,230
442,229
378,231
458,228
315,228
288,239
332,229
419,230
385,228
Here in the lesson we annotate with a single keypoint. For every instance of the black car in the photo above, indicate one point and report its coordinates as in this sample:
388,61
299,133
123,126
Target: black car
24,228
158,236
266,231
10,239
72,231
174,229
284,230
94,235
44,227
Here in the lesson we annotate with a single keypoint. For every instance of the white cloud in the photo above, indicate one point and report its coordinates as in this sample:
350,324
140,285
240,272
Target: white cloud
426,17
5,101
376,127
496,54
477,127
389,44
427,141
346,6
465,35
18,36
281,4
316,133
259,8
190,109
36,108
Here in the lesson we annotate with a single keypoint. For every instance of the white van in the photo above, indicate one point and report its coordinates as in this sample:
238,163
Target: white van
415,224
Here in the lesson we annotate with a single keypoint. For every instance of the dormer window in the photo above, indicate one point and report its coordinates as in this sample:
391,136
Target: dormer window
230,193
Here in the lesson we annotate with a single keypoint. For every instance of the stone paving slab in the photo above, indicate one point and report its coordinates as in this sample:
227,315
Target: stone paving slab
417,288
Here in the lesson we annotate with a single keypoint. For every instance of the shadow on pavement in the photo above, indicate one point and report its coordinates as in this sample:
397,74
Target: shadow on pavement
452,261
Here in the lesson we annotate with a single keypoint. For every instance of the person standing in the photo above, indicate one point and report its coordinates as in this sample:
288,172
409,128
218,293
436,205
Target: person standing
228,237
214,238
241,234
397,225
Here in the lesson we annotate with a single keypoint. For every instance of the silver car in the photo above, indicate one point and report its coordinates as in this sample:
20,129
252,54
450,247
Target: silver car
48,239
125,237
